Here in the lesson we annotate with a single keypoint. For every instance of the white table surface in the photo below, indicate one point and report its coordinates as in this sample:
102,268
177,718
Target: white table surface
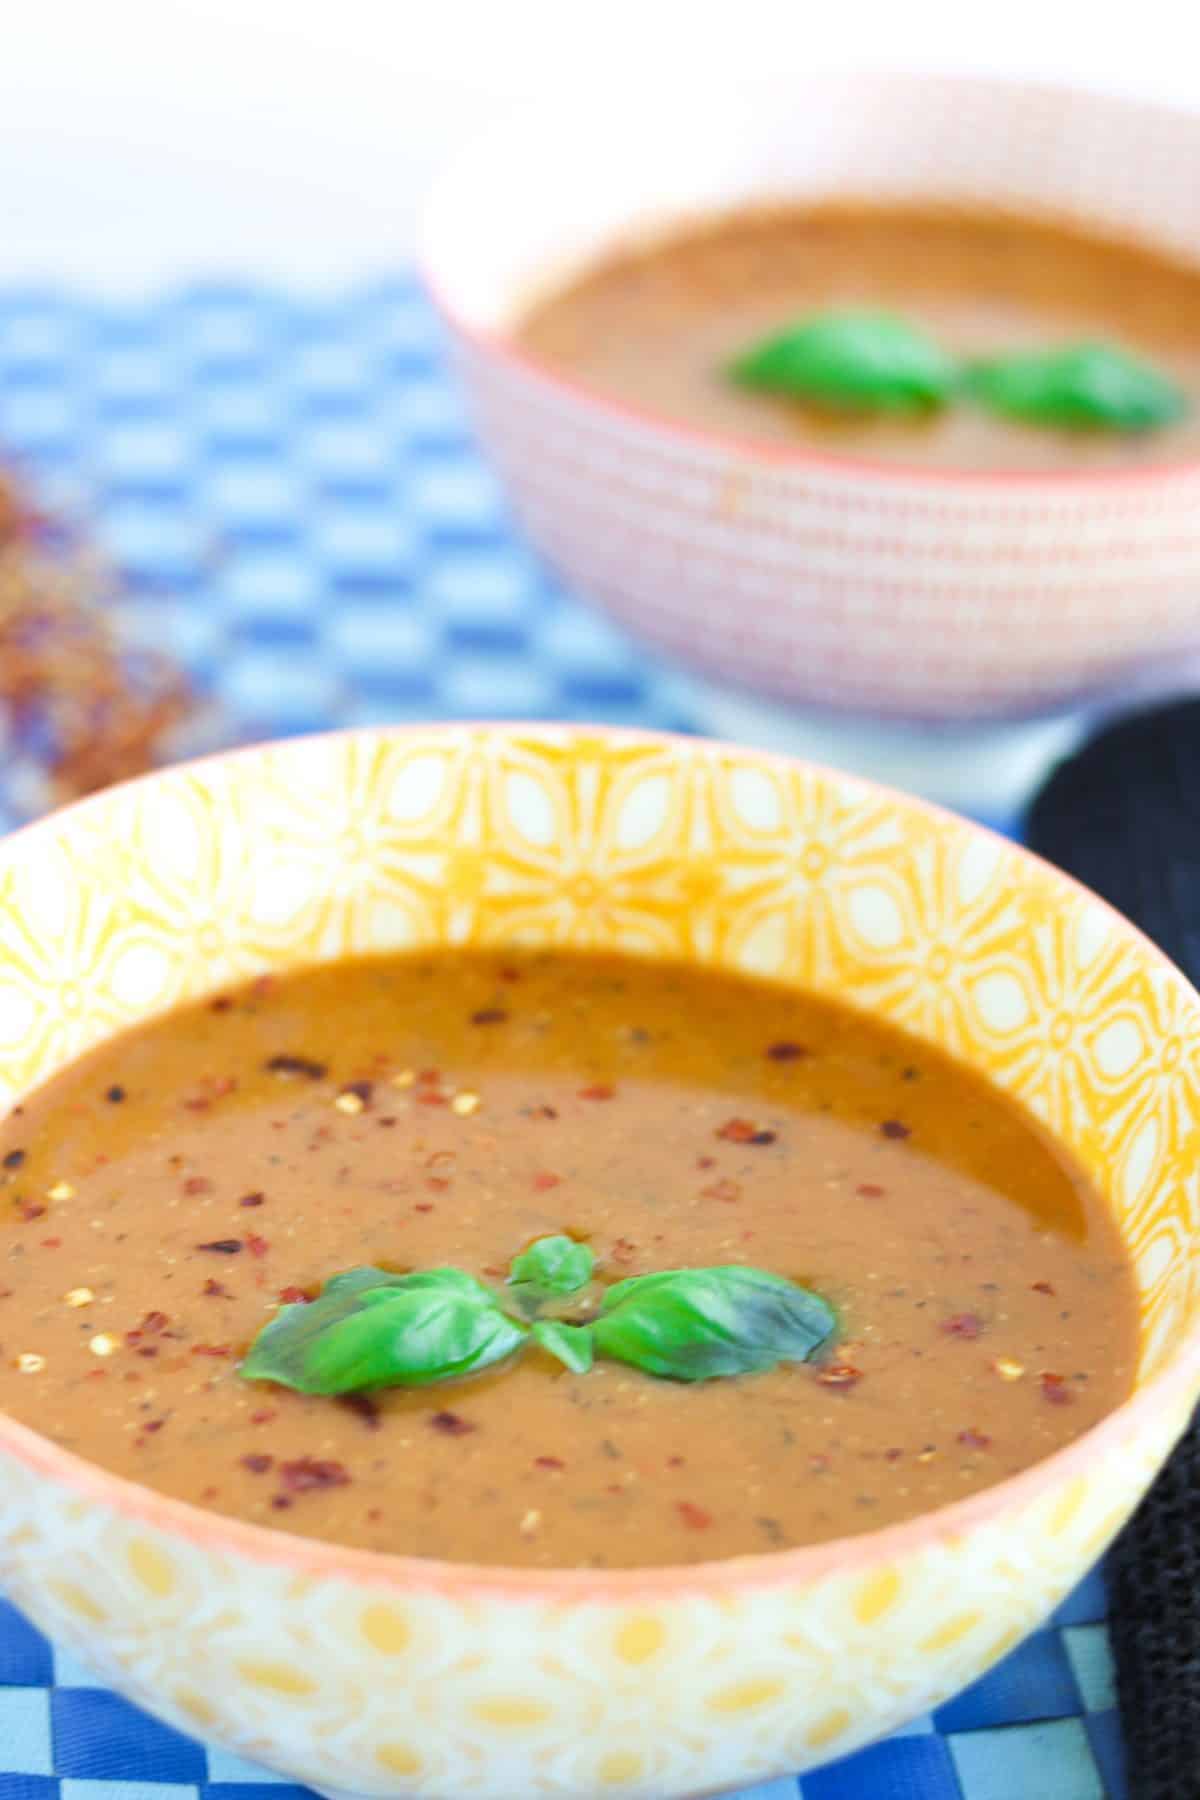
144,140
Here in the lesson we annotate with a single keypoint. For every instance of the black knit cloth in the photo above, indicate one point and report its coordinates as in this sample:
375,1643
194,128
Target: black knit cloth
1123,815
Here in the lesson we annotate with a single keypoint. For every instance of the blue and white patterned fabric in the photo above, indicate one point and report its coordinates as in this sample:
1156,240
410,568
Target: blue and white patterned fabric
290,490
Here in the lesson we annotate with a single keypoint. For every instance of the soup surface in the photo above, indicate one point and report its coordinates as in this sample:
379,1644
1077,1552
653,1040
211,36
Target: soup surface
163,1195
656,325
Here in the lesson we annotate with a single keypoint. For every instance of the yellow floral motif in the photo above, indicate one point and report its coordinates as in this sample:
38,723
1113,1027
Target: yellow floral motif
368,1676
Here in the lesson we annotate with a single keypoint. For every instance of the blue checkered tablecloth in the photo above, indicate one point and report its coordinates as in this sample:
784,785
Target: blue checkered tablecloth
289,487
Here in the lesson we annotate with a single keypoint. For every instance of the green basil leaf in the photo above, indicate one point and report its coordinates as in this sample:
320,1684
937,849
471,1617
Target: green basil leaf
694,1324
1079,387
550,1268
851,362
363,1280
363,1333
444,1280
570,1345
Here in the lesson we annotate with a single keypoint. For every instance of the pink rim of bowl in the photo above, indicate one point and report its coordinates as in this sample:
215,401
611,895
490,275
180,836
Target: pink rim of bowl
1163,1391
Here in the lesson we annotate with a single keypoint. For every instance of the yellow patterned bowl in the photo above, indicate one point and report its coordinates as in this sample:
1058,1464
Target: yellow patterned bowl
367,1674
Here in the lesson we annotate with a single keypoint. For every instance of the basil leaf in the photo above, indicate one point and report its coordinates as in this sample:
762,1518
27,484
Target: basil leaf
363,1280
570,1345
550,1268
1080,387
694,1324
851,362
365,1332
444,1280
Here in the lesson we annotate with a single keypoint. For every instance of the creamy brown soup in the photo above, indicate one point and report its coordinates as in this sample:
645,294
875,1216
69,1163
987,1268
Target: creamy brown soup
656,325
164,1195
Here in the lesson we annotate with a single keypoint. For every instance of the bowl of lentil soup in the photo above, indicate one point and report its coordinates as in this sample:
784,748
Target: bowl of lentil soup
563,1260
619,282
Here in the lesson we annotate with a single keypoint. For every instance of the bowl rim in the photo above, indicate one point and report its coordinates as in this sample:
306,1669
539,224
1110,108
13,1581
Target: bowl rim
500,346
802,1566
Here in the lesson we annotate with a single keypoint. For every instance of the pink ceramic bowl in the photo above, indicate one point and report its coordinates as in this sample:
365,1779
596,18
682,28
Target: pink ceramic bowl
814,578
400,1677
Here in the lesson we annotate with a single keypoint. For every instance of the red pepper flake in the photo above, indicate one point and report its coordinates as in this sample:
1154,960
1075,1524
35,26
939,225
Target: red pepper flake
542,1112
197,1184
451,1424
221,1004
51,1243
722,1190
624,1250
1055,1389
257,1246
544,1180
429,1077
786,1051
437,1184
280,1502
309,1473
199,1103
693,1516
744,1131
424,1206
963,1325
215,1290
154,1323
30,1210
598,1090
431,1097
839,1375
1043,1287
364,1407
489,1015
115,1094
549,1462
255,1199
294,1296
892,1455
223,1246
297,1065
892,1128
870,1190
263,1416
153,1425
258,1462
212,1349
974,1440
675,1462
819,1464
